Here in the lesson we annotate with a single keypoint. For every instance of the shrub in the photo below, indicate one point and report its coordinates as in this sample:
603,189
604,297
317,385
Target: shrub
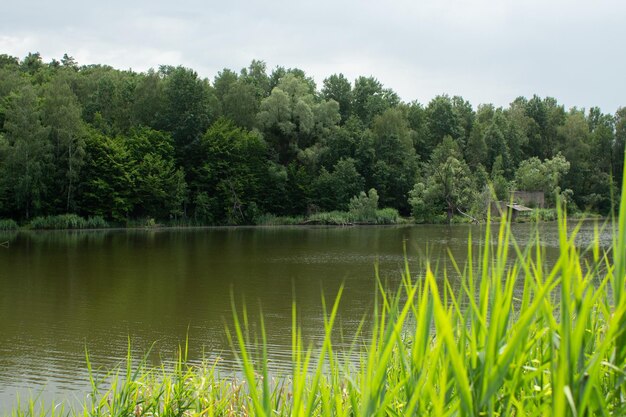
96,222
363,207
338,218
269,219
67,221
8,224
387,216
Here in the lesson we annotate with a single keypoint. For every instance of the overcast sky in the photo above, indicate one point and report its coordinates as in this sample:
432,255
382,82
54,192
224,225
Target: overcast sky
485,51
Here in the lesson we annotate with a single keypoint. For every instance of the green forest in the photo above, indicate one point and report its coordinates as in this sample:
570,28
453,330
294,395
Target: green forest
171,146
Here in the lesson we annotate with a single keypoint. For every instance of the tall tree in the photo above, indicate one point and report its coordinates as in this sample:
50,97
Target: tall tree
190,105
61,114
234,173
333,190
395,169
338,88
447,186
290,116
442,120
371,99
107,182
28,154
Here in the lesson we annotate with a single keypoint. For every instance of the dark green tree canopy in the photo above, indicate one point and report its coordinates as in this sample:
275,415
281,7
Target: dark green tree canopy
169,145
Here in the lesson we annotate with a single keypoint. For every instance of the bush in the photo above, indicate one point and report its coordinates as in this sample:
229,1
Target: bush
67,221
8,224
387,216
338,218
273,220
96,222
543,215
363,207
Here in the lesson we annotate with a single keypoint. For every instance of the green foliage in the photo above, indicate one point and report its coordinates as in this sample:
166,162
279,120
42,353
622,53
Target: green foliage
387,215
534,175
338,88
107,182
273,220
442,121
543,215
448,185
28,154
330,218
335,189
8,224
395,168
61,113
370,99
68,221
93,140
363,207
234,173
291,117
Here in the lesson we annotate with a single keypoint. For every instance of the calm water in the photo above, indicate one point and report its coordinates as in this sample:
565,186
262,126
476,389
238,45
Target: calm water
64,292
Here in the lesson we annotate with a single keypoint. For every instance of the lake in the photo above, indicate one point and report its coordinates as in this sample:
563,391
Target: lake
64,292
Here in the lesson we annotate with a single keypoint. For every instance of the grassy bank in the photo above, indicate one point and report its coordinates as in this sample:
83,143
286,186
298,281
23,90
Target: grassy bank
334,218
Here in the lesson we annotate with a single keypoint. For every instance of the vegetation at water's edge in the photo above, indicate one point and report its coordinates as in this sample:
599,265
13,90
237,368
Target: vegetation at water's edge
517,338
251,144
8,224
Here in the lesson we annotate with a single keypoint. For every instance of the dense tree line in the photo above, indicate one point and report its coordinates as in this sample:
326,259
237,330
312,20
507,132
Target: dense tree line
167,144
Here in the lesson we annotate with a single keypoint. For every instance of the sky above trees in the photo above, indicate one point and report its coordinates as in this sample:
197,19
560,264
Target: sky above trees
486,51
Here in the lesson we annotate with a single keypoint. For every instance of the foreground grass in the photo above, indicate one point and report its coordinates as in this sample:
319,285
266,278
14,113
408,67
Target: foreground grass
519,338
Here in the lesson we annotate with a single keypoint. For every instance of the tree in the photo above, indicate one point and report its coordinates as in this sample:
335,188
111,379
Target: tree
32,63
416,117
333,190
575,146
241,104
190,105
27,166
496,142
223,82
546,116
290,116
61,114
338,88
465,116
107,181
619,147
148,100
534,175
371,99
159,187
447,186
441,121
395,168
256,75
234,172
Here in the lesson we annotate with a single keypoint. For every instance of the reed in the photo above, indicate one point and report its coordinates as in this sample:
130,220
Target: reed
519,338
68,221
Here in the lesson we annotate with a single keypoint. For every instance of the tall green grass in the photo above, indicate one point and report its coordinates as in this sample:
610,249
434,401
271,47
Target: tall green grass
513,336
8,224
68,221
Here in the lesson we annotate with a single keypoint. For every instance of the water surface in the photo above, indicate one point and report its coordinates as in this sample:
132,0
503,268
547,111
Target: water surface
64,292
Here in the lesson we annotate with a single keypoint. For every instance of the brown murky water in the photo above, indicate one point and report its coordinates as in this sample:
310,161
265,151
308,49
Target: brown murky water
64,292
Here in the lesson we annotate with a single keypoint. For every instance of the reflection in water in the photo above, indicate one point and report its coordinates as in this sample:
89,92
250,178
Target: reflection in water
64,292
